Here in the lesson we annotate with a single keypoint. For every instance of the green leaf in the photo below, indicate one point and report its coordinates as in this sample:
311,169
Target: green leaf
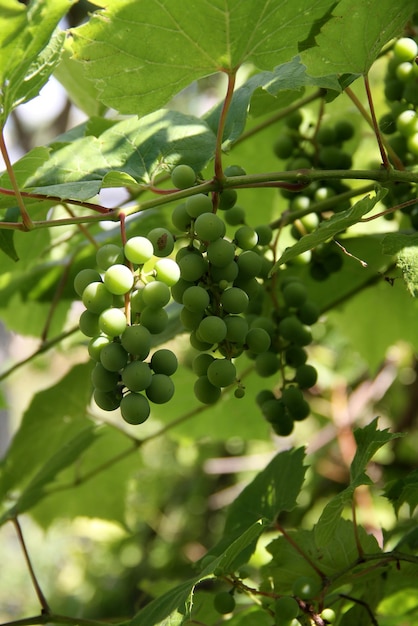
403,490
351,41
406,248
29,49
131,150
7,236
139,56
261,90
329,228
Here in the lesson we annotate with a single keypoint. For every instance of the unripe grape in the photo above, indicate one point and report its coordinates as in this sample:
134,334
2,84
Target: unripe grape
190,319
155,319
286,608
167,271
328,615
205,392
183,176
196,299
96,297
118,279
198,204
197,343
156,294
283,426
134,408
192,266
264,234
209,227
221,252
113,357
89,324
306,376
107,400
227,199
109,255
136,340
308,313
95,346
295,403
228,273
224,603
306,587
264,395
138,250
235,216
295,356
103,379
112,322
221,372
284,146
246,237
273,409
162,241
161,389
234,170
212,329
239,392
137,301
266,364
294,294
344,130
405,49
234,300
177,290
137,376
249,264
164,361
291,329
257,340
85,277
201,363
180,218
236,328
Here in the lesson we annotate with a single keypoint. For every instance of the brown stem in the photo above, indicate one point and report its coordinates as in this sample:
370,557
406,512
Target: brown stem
299,550
27,222
221,126
376,128
41,196
42,600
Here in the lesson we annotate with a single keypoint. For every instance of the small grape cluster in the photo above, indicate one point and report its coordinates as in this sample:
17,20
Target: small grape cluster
124,307
322,149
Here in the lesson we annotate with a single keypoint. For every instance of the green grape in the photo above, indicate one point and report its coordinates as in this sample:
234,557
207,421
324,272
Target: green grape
284,146
393,90
331,157
109,255
413,144
156,294
306,587
249,264
235,216
284,425
300,203
221,252
228,273
209,227
266,364
234,170
136,340
227,199
234,300
295,356
212,329
266,323
308,313
95,346
306,376
197,343
180,218
407,123
221,373
137,375
246,237
113,357
405,49
328,615
264,234
326,136
404,71
167,271
205,392
84,278
177,290
192,266
138,250
136,299
107,400
96,297
292,329
103,379
295,403
162,241
257,340
134,408
196,299
294,294
294,120
183,176
264,395
161,389
118,279
201,363
89,324
155,319
198,204
190,319
273,409
224,602
286,608
164,361
239,392
112,322
236,328
344,130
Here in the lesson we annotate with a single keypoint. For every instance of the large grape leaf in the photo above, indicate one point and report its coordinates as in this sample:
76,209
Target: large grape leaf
140,54
29,49
353,39
128,153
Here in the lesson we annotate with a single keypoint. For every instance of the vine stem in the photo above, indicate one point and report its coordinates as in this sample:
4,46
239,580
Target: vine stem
376,128
219,175
47,618
56,199
27,222
42,600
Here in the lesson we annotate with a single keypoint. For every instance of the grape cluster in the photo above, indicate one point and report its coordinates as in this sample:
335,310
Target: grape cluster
322,148
124,308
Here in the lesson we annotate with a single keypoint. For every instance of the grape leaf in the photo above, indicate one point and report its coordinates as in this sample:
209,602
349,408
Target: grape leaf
406,249
140,55
403,490
289,77
30,49
329,228
351,41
